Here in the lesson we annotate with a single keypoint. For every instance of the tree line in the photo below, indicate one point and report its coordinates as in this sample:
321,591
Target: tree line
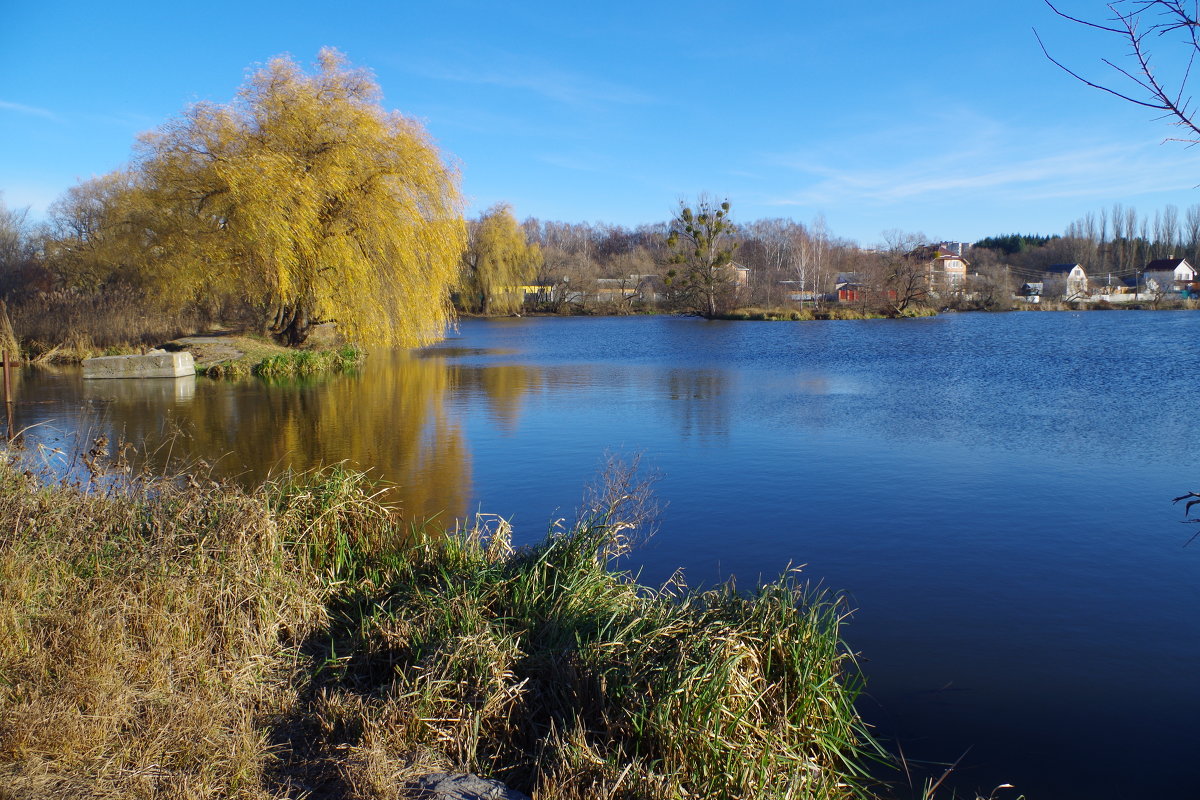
304,201
1114,243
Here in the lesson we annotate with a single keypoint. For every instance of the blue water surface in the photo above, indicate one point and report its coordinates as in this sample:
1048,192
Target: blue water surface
990,492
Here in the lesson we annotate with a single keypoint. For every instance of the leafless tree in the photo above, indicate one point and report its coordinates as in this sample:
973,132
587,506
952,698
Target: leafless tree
1191,232
1153,31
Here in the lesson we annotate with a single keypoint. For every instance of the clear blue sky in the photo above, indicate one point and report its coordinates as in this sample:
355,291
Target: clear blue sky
927,115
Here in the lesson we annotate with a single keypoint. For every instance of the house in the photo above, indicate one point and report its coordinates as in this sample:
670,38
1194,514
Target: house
1071,278
1031,291
953,248
944,271
646,288
849,288
741,273
948,272
539,292
615,290
1169,275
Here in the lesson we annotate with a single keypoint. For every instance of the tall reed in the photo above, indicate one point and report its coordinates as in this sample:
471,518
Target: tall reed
187,639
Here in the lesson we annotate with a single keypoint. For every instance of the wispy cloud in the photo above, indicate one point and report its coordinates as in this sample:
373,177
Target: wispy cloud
481,120
511,71
32,111
1000,164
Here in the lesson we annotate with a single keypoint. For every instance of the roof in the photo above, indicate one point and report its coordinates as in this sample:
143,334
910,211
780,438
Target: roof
933,252
1061,268
1164,264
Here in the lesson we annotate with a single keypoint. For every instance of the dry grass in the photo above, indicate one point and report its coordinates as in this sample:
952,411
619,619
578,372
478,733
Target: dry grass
769,314
192,640
140,648
68,327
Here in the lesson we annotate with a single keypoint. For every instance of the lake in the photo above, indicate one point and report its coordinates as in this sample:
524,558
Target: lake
990,492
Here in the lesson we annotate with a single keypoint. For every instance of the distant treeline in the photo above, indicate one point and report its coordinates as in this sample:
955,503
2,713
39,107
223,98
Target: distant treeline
1116,241
1014,242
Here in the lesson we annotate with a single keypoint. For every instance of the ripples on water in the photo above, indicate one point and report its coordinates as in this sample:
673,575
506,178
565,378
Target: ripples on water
991,492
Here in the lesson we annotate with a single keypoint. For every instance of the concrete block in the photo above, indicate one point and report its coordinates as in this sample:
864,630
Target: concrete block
157,364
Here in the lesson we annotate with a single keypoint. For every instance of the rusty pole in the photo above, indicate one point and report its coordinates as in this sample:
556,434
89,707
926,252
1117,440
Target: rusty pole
7,392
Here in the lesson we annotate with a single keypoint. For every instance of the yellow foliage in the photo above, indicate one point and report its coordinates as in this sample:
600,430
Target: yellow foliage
497,263
306,198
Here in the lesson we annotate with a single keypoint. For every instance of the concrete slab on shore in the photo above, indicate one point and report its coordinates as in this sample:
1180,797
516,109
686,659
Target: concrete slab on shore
158,364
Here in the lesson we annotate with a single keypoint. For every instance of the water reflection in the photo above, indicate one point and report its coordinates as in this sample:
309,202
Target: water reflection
502,387
992,489
394,419
698,399
149,393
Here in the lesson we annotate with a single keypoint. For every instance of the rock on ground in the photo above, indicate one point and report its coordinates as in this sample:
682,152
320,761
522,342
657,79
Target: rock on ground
447,786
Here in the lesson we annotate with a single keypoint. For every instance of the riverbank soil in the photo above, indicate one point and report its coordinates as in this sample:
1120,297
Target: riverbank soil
220,347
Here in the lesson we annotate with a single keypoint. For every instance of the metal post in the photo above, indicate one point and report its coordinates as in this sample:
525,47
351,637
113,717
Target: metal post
8,409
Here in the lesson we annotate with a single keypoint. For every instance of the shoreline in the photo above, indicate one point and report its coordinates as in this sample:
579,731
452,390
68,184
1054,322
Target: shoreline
193,635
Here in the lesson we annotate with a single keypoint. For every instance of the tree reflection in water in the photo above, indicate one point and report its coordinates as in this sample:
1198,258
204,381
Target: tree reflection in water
395,419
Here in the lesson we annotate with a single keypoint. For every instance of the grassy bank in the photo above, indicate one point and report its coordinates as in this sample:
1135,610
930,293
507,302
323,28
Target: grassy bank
828,312
66,328
202,641
241,356
1163,304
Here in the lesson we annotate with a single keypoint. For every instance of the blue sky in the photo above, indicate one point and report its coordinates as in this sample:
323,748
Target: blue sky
929,115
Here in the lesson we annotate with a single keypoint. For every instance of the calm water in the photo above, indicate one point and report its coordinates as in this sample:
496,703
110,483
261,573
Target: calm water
992,492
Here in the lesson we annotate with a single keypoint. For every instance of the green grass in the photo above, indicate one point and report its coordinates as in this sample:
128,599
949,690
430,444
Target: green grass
280,363
189,639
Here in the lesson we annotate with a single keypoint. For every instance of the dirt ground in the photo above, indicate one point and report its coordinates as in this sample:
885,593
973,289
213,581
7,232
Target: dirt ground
208,348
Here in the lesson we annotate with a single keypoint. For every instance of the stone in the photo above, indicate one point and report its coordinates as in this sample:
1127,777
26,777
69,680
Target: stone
461,786
157,364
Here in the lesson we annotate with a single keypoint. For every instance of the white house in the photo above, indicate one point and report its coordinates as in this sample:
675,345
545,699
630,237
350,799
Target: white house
1074,279
1168,274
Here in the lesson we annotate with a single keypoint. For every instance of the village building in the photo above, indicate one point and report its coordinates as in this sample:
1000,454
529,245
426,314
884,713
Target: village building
1169,275
1031,291
1068,280
945,272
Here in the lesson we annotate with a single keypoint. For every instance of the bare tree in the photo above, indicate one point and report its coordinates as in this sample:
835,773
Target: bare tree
1191,234
1140,26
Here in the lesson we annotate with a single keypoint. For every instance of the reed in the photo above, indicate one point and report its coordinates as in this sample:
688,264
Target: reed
189,639
69,326
769,314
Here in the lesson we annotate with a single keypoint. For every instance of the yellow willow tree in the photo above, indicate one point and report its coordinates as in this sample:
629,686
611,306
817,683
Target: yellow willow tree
497,263
308,199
